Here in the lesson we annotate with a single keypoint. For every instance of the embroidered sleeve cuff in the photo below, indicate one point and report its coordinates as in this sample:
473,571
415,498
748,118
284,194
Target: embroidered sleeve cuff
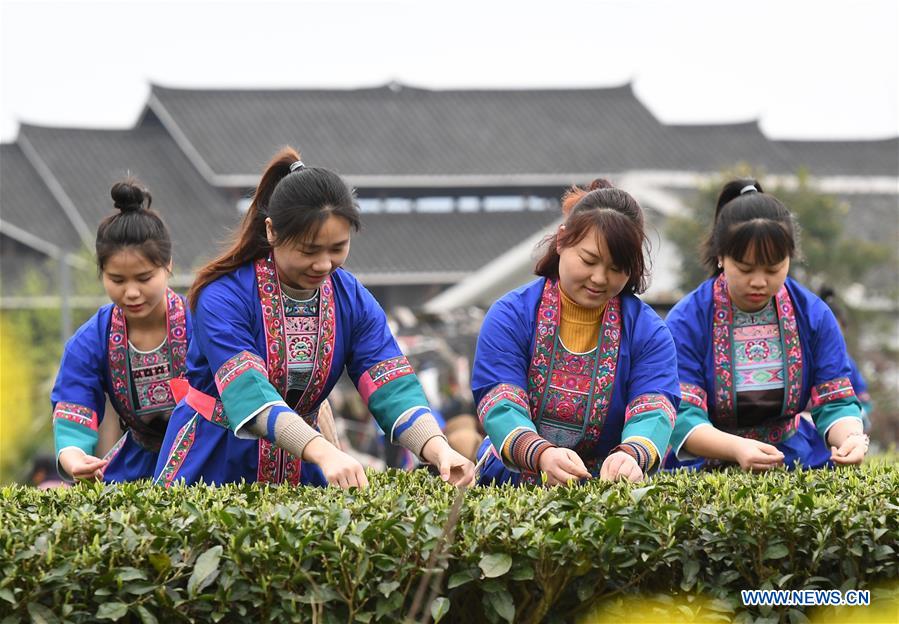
648,446
414,428
523,450
641,451
70,434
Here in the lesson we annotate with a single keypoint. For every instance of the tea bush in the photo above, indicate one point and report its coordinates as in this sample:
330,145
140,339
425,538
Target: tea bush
136,552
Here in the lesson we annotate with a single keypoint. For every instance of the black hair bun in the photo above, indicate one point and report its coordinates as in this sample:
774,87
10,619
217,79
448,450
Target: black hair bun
128,196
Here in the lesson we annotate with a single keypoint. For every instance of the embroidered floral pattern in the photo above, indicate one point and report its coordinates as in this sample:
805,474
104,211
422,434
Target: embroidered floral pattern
772,432
694,395
833,390
120,443
382,373
292,467
276,465
150,376
235,367
792,348
270,459
327,335
722,341
177,333
725,382
119,373
174,351
273,322
78,414
218,415
501,392
184,440
650,402
570,394
301,329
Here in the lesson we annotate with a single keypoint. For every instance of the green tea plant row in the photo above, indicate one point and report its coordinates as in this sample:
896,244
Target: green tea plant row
136,552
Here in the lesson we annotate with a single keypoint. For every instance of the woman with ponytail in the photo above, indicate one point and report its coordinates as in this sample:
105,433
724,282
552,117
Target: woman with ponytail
129,350
754,347
574,376
277,321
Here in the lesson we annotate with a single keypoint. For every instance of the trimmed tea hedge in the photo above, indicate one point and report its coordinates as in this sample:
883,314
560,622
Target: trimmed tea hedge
141,553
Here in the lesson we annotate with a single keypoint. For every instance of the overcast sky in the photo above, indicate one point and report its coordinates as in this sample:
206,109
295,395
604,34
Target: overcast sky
805,69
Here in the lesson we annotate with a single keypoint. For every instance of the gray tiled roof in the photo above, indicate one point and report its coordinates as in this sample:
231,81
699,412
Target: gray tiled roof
405,131
27,204
86,163
396,132
713,147
190,141
845,157
18,262
875,218
440,242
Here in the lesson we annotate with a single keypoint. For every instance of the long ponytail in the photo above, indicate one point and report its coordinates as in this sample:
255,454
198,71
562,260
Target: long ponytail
297,199
249,242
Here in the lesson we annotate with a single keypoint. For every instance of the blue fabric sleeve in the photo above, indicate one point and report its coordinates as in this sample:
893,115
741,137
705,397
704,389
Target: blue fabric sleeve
831,369
503,351
78,396
371,340
224,330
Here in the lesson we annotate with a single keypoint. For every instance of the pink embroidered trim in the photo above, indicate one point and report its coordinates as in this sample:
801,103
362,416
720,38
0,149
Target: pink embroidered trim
650,402
499,393
694,395
237,366
78,414
382,373
833,390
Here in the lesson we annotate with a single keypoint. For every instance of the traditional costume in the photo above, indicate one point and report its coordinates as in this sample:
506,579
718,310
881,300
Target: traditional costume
99,361
611,387
752,374
259,350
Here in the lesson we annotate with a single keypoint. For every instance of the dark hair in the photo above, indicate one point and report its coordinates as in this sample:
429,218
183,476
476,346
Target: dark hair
45,464
829,296
614,214
298,200
748,219
135,225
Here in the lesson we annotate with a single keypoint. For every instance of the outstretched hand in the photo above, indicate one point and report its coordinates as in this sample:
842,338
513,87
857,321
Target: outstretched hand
620,467
81,466
452,467
562,465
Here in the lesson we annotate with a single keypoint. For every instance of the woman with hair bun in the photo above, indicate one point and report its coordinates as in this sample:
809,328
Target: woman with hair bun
754,347
575,377
277,321
129,350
